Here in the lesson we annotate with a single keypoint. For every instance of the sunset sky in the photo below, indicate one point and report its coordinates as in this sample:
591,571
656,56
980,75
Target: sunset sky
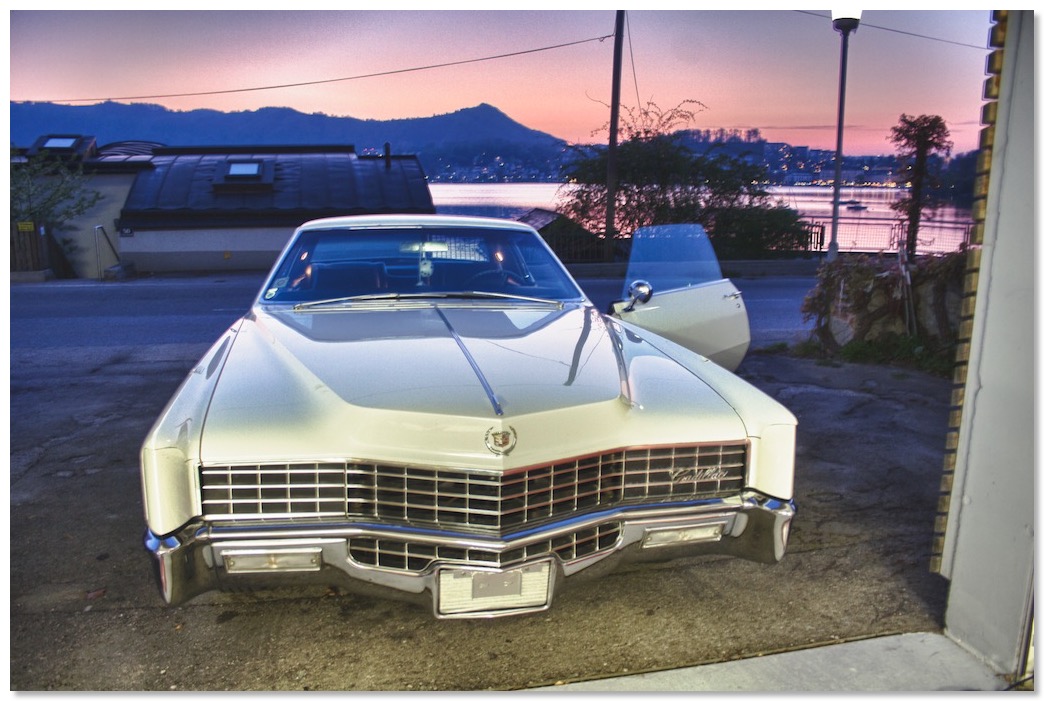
776,70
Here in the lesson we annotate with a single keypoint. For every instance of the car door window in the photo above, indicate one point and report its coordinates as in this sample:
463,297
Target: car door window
672,256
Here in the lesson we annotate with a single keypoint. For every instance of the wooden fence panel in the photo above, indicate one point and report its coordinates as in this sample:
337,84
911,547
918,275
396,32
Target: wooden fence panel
25,248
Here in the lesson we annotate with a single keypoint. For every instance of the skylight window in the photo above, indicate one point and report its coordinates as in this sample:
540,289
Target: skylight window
245,175
60,142
244,169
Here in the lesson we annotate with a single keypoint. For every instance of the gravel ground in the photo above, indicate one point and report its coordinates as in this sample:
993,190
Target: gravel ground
85,613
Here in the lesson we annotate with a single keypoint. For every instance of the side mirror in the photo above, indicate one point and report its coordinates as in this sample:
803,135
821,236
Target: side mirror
639,292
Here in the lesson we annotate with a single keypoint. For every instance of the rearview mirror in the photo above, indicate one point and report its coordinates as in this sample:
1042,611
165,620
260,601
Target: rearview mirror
424,247
639,292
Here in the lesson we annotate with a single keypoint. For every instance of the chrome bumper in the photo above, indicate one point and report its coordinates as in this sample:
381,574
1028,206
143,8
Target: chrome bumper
201,557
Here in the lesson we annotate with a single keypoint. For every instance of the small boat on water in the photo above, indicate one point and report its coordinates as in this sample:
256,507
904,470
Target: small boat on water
855,207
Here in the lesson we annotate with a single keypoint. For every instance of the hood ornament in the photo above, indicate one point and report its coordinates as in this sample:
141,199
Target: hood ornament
501,442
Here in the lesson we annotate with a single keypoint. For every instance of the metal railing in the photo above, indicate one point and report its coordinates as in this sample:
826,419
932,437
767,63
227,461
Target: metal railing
863,234
855,234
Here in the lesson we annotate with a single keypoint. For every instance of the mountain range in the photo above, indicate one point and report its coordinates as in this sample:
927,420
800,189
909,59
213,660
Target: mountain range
475,143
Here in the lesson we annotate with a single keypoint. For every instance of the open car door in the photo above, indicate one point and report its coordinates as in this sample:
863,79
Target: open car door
674,288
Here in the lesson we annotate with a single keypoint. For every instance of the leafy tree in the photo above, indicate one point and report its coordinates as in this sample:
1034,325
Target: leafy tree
661,180
917,140
47,189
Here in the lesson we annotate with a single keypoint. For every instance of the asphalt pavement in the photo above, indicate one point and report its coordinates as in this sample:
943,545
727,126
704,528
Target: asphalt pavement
85,613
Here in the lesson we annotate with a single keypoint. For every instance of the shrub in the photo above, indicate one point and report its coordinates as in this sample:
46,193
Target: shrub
748,233
869,309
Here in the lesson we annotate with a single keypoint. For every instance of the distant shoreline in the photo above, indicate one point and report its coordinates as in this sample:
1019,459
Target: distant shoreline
868,225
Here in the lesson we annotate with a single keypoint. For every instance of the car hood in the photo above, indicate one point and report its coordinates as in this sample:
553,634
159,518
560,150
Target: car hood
434,382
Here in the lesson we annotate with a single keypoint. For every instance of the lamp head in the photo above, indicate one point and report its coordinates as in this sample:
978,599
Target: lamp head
845,21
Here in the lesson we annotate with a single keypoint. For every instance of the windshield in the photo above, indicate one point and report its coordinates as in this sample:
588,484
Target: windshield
338,263
672,256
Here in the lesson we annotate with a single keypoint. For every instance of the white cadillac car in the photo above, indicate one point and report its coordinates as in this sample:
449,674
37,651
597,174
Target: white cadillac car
429,407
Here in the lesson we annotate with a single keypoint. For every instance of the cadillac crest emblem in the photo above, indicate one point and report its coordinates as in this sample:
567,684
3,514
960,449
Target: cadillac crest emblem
501,442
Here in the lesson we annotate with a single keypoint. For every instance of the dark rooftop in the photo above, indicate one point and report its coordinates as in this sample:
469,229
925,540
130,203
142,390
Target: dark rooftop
243,186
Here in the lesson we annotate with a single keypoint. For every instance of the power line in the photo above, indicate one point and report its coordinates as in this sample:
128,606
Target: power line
900,31
339,80
634,69
459,63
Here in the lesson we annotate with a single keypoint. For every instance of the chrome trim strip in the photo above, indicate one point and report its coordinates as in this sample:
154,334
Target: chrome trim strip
548,530
474,364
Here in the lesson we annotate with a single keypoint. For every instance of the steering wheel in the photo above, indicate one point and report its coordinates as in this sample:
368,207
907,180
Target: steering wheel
501,277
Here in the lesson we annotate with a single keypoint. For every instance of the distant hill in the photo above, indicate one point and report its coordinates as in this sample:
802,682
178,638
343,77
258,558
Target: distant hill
476,143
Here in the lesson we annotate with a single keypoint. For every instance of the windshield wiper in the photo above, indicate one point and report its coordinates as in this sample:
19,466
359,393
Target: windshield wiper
352,298
395,296
476,294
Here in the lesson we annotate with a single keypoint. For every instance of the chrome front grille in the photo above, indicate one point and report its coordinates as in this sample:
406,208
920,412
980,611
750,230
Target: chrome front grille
482,502
411,556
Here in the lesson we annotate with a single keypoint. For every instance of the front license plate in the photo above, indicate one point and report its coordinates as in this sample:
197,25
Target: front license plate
476,591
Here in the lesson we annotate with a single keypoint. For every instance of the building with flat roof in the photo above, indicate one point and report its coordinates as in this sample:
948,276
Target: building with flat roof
216,208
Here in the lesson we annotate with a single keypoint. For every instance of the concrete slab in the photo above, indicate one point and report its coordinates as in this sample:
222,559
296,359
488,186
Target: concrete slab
909,662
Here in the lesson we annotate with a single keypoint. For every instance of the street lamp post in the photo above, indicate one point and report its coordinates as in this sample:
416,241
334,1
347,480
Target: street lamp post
845,22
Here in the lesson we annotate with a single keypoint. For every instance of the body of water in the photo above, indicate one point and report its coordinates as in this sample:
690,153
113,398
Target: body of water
866,222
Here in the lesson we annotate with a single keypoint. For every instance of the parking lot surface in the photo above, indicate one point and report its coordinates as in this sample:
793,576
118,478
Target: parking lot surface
86,615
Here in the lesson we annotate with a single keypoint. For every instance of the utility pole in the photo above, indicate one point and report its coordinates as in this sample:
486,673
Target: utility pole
614,120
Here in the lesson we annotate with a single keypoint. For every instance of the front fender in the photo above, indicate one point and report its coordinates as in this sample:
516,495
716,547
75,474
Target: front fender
170,452
771,427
